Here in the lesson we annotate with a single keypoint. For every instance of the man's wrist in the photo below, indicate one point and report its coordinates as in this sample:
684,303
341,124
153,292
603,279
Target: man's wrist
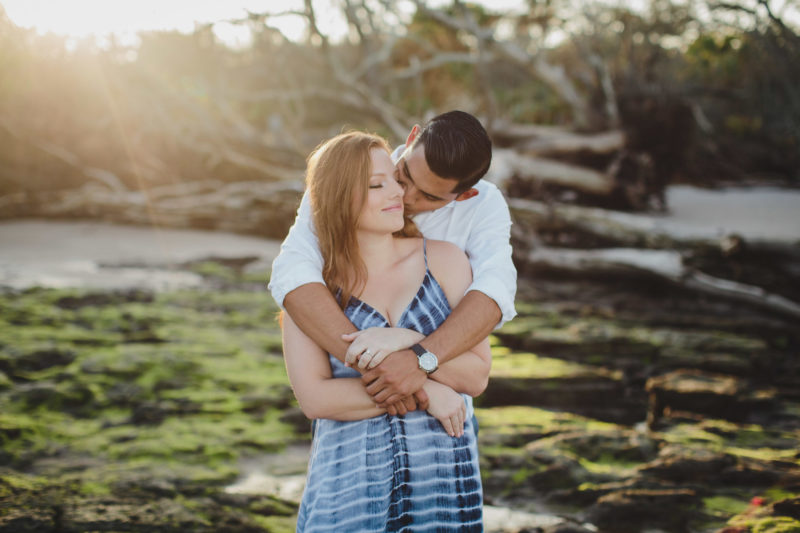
409,354
427,360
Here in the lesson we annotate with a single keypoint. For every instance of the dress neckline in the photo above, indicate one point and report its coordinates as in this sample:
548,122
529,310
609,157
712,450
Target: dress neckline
354,301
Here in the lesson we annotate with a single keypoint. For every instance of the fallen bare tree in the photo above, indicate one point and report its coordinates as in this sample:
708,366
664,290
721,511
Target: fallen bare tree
665,265
257,208
615,228
508,164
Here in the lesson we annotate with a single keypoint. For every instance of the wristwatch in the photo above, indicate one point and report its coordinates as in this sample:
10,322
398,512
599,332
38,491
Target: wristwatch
428,362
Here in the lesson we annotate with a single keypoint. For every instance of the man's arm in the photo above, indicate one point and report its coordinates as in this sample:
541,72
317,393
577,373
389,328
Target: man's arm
315,311
471,321
399,374
490,254
488,303
300,260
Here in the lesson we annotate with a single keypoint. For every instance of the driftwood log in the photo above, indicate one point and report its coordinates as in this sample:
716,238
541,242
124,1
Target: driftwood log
665,265
622,229
257,208
508,163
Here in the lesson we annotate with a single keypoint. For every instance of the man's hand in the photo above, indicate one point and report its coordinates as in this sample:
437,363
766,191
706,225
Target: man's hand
395,378
417,401
404,406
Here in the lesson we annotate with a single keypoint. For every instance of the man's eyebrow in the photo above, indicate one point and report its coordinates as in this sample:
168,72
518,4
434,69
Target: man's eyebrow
408,175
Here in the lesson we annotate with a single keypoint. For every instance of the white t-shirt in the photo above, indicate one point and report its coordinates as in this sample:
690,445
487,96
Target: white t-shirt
481,226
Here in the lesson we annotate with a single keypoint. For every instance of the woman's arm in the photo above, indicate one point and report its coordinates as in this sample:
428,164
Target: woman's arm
447,406
318,393
368,347
467,373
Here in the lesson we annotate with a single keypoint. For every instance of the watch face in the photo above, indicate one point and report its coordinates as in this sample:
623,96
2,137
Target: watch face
428,362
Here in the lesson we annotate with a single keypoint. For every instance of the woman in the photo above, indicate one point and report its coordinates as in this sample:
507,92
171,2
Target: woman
370,471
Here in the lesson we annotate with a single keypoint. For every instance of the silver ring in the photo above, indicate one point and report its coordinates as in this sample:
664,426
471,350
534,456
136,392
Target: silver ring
367,352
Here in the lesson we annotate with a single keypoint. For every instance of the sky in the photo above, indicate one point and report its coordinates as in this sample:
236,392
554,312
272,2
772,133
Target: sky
125,18
78,19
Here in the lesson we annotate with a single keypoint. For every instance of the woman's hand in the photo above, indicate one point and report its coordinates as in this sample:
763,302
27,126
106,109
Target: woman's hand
447,406
370,346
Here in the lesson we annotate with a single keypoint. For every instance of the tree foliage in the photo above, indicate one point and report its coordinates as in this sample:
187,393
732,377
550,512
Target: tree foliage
707,98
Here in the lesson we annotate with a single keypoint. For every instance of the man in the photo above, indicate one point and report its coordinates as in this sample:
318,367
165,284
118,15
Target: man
440,169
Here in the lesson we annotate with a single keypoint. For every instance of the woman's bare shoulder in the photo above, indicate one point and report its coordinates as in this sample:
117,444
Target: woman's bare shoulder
444,251
449,265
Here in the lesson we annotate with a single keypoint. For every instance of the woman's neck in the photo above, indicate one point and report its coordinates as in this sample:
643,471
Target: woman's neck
378,251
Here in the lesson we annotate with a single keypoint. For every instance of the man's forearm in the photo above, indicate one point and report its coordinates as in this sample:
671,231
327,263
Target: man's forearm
471,321
315,311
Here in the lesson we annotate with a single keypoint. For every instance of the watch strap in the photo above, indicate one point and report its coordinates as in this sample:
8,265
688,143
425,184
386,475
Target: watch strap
417,349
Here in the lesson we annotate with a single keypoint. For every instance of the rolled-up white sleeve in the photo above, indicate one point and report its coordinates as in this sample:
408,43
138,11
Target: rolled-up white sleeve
489,249
299,261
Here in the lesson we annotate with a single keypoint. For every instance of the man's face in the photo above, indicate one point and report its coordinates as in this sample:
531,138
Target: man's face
423,190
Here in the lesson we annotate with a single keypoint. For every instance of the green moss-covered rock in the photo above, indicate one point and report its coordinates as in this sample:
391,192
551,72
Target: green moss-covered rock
129,411
762,516
137,411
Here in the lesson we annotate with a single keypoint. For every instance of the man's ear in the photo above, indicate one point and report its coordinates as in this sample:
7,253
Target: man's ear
466,195
413,135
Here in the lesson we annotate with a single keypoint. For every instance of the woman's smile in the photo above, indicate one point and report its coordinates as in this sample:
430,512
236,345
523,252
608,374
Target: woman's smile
393,208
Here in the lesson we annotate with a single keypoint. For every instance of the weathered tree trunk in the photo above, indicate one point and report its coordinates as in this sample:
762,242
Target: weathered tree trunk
258,208
666,265
616,228
507,163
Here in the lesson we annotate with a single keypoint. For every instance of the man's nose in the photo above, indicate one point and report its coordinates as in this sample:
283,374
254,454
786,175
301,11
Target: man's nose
409,194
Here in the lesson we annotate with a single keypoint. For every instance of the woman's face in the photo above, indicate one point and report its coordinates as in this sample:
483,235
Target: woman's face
383,208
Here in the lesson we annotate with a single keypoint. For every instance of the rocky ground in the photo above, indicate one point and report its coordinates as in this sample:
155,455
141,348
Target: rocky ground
612,407
636,416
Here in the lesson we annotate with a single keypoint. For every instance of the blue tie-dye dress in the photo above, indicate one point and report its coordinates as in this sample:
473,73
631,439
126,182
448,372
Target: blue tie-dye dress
393,473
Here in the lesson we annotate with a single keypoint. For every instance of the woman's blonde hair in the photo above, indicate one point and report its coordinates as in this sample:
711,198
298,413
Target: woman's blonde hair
337,179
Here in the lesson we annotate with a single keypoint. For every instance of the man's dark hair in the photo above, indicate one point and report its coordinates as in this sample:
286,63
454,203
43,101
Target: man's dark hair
457,148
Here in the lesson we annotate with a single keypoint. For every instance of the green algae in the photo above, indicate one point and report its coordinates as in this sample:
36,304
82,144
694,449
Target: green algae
745,440
776,494
776,524
722,506
166,392
516,418
599,340
529,365
276,524
766,524
136,388
212,269
764,454
529,449
608,464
